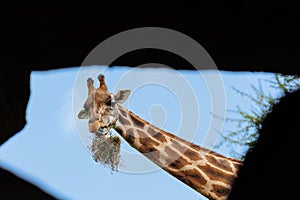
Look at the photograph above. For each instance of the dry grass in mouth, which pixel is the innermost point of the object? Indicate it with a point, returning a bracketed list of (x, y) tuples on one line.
[(106, 150)]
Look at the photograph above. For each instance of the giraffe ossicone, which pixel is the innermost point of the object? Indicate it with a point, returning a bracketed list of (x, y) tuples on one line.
[(207, 172)]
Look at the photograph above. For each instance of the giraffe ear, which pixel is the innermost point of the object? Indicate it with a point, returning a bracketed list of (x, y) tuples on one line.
[(122, 96), (83, 114)]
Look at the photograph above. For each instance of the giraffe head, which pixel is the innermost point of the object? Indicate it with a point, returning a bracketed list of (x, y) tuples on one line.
[(101, 106)]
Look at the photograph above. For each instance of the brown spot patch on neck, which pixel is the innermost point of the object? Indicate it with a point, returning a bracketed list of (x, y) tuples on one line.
[(175, 160), (190, 177), (147, 144), (157, 135), (192, 154), (123, 112), (194, 178), (119, 130), (130, 136), (153, 155), (137, 122), (216, 174), (220, 191), (220, 163), (123, 121)]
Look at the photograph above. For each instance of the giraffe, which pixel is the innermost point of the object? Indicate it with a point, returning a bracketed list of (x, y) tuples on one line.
[(207, 172)]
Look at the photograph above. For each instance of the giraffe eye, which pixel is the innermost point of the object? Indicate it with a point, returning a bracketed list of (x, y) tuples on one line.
[(108, 103)]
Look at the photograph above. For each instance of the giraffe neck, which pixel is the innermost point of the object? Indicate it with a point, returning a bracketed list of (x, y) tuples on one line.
[(207, 172)]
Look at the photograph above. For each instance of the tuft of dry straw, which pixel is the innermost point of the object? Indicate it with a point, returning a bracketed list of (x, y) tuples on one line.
[(106, 150)]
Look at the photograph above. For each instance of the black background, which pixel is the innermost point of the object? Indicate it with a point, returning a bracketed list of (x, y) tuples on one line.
[(239, 36)]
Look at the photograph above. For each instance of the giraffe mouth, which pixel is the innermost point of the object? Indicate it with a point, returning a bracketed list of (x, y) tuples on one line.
[(103, 130)]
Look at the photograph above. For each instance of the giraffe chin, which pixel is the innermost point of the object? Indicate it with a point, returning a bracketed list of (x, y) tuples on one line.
[(102, 131)]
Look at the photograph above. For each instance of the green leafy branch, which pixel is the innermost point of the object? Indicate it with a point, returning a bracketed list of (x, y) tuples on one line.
[(248, 123)]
